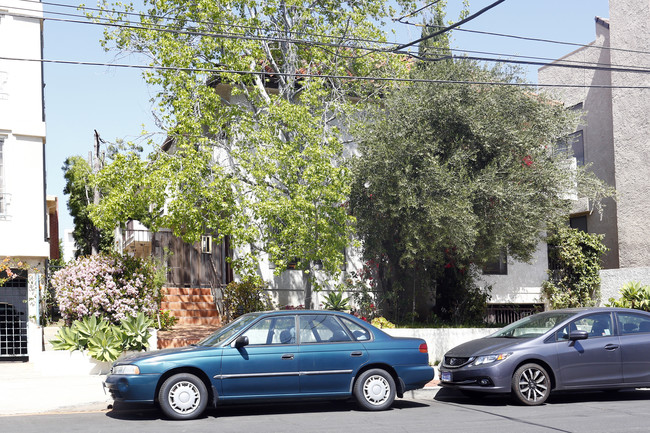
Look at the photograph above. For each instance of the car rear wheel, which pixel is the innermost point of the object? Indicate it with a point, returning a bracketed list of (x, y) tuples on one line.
[(531, 384), (375, 389), (183, 396)]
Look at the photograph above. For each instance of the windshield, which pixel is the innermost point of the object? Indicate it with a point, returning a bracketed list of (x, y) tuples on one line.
[(532, 326), (224, 333)]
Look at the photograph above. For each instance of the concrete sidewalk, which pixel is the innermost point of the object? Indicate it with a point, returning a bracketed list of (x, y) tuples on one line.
[(25, 388)]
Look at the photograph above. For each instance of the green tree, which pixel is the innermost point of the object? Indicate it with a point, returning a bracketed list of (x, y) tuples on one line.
[(255, 98), (574, 280), (78, 176), (451, 175)]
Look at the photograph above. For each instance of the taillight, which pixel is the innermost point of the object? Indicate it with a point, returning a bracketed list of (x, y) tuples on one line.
[(424, 348)]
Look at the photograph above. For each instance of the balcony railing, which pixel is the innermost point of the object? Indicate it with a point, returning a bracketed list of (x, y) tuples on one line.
[(5, 200)]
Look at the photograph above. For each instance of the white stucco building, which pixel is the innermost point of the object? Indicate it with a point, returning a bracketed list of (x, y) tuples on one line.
[(24, 232)]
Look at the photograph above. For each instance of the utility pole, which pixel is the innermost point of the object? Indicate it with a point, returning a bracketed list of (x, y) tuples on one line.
[(96, 165)]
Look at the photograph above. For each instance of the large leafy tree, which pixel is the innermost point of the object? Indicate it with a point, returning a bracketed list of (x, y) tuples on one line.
[(451, 175), (78, 177), (255, 97)]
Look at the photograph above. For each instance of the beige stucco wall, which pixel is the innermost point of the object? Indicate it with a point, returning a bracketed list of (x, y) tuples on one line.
[(596, 124), (630, 28)]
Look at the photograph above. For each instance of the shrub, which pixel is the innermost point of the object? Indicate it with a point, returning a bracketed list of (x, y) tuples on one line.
[(381, 322), (103, 340), (111, 286), (245, 296), (336, 301), (575, 279), (165, 320), (633, 295)]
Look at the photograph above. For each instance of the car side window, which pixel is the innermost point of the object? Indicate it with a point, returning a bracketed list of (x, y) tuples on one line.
[(321, 328), (272, 330), (596, 325), (629, 323), (359, 332)]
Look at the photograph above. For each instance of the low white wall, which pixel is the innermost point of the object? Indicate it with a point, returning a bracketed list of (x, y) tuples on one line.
[(611, 280), (440, 340)]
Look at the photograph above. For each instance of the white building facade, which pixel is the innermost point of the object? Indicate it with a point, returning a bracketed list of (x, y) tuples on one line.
[(23, 208)]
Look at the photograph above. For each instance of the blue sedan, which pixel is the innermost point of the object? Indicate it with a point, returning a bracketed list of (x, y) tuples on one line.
[(572, 349), (278, 355)]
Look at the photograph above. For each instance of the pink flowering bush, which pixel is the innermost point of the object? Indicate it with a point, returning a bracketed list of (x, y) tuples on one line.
[(113, 287)]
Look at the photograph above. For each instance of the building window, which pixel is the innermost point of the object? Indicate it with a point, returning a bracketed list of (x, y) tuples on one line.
[(497, 266), (573, 145), (206, 244), (4, 197), (579, 223)]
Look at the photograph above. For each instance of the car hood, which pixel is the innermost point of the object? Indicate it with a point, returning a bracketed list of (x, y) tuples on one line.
[(484, 346), (164, 353)]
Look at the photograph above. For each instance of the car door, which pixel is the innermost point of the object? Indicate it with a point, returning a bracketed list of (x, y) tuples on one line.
[(593, 361), (267, 366), (330, 355), (634, 330)]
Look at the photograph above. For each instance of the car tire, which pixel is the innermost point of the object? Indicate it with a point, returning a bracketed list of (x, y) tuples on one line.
[(183, 396), (531, 384), (375, 389)]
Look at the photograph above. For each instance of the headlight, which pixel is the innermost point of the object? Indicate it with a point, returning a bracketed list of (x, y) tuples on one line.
[(488, 359), (126, 369)]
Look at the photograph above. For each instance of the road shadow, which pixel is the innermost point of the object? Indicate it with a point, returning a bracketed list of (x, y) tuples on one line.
[(140, 412), (563, 397)]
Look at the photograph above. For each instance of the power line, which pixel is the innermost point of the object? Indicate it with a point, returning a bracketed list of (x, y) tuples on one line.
[(453, 26), (564, 63), (327, 76), (332, 44)]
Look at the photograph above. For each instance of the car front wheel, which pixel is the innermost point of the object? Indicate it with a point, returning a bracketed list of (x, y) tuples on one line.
[(183, 396), (375, 389), (531, 384)]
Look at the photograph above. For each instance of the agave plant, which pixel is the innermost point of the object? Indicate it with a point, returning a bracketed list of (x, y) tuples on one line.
[(135, 332), (66, 339), (105, 345), (336, 301)]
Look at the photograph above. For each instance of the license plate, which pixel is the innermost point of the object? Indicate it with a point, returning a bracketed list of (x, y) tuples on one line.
[(445, 376)]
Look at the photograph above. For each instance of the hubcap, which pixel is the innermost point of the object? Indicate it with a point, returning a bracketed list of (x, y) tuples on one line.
[(376, 390), (533, 384), (184, 397)]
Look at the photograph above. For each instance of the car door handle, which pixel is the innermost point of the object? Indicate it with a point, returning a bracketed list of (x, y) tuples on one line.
[(287, 356), (611, 346), (356, 354)]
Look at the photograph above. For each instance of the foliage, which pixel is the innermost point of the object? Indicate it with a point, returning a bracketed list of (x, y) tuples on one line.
[(8, 268), (246, 296), (256, 121), (381, 322), (104, 341), (575, 279), (110, 286), (135, 332), (165, 320), (78, 177), (450, 175), (633, 295), (336, 301)]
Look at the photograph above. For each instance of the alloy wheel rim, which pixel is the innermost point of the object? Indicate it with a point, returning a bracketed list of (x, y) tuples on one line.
[(184, 397), (533, 384), (376, 390)]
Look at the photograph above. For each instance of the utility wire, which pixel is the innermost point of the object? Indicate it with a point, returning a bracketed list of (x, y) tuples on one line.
[(453, 26), (318, 43), (547, 61), (328, 76)]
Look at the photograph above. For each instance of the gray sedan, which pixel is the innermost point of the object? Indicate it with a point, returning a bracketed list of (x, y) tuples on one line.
[(571, 349)]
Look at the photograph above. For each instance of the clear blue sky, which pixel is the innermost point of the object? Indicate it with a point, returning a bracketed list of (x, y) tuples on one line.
[(116, 102)]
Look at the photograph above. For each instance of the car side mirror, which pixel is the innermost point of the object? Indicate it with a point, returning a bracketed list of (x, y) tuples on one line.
[(578, 335), (241, 341)]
